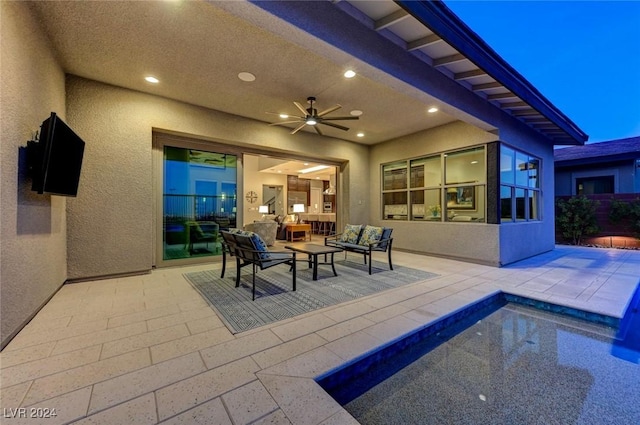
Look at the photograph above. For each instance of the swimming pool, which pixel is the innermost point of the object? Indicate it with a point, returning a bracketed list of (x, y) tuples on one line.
[(504, 360)]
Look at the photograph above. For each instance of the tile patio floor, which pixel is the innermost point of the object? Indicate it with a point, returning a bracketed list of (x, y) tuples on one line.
[(147, 349)]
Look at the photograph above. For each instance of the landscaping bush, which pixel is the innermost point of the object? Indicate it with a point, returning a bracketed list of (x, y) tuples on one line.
[(621, 211), (576, 218)]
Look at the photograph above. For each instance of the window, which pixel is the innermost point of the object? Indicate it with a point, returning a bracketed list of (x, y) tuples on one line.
[(519, 186), (594, 185), (414, 189)]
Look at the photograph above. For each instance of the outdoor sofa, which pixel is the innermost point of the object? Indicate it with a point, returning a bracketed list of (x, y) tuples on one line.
[(363, 239)]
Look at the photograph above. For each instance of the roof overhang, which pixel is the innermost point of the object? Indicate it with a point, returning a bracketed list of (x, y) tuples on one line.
[(531, 107), (432, 33)]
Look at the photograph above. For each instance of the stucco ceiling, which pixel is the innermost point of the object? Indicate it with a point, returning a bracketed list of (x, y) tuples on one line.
[(198, 48)]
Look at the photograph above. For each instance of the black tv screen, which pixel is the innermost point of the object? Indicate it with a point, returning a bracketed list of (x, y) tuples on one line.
[(58, 159)]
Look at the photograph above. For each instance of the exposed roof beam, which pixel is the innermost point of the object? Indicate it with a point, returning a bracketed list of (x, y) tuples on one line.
[(448, 60), (547, 127), (520, 113), (514, 105), (423, 42), (469, 74), (497, 96), (387, 21), (486, 86), (536, 120)]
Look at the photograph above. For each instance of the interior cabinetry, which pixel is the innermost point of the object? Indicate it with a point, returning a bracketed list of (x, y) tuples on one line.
[(295, 184), (395, 203), (328, 200), (417, 176), (395, 179)]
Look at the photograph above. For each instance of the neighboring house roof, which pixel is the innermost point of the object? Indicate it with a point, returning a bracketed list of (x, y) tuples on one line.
[(612, 150)]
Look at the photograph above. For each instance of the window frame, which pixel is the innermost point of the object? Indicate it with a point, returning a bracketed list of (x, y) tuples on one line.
[(528, 207), (415, 183)]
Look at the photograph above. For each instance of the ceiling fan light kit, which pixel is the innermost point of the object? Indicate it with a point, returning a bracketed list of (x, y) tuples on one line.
[(312, 117)]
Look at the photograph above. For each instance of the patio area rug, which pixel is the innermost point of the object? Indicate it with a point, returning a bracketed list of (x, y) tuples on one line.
[(275, 299)]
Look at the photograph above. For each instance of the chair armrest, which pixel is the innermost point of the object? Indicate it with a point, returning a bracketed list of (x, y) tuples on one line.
[(335, 237), (376, 243)]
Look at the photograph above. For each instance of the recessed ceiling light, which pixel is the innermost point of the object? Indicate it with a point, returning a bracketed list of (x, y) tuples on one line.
[(152, 80), (349, 73), (356, 112), (432, 110), (247, 76), (305, 163), (284, 116), (360, 134)]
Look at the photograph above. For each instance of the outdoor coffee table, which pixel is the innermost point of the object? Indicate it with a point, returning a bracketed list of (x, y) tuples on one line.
[(313, 250)]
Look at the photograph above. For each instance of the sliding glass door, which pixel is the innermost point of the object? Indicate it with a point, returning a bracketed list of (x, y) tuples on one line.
[(199, 194)]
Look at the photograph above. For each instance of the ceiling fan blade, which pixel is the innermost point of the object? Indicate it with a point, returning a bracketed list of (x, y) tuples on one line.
[(318, 130), (299, 106), (285, 122), (330, 124), (339, 118), (298, 128), (326, 111)]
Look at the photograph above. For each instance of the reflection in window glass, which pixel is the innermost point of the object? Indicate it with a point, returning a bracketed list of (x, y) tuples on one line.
[(520, 204), (465, 166), (520, 185), (506, 203), (522, 169), (533, 205), (507, 157), (199, 200), (534, 167)]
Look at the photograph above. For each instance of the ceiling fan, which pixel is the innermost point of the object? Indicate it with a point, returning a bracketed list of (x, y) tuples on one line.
[(312, 117)]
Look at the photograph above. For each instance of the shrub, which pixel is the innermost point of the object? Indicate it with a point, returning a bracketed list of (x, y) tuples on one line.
[(620, 211), (576, 218)]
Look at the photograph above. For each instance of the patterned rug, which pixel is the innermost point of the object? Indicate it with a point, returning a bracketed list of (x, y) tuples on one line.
[(276, 301)]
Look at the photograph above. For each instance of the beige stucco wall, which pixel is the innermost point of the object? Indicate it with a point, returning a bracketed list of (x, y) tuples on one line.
[(111, 220), (478, 242), (443, 239), (522, 240), (33, 230)]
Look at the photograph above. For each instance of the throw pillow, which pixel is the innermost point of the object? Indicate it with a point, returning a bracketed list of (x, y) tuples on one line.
[(259, 245), (370, 234), (351, 233)]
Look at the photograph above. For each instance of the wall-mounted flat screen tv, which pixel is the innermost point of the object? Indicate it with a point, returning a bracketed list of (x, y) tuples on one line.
[(56, 160)]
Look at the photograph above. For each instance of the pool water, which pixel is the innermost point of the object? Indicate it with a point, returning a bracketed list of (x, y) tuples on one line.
[(500, 363)]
